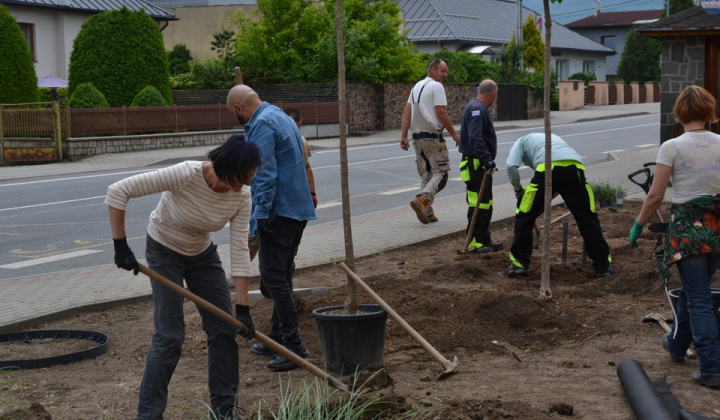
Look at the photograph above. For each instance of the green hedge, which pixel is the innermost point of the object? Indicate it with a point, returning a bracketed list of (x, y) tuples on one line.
[(120, 52), (148, 97), (18, 81), (86, 95)]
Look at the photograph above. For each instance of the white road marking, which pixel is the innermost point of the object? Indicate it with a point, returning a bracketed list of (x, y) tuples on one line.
[(50, 259), (616, 150), (399, 191), (330, 204), (74, 177), (646, 145), (52, 204)]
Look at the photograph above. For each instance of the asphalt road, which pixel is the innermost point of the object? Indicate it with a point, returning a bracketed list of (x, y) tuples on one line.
[(49, 225)]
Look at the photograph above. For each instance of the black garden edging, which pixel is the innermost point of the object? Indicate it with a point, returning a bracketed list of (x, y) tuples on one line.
[(101, 345)]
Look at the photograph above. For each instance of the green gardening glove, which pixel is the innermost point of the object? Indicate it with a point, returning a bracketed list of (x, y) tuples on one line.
[(635, 233)]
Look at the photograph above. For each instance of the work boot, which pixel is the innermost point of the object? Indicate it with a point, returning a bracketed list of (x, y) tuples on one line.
[(607, 272), (666, 346), (513, 270), (493, 247), (419, 203), (281, 363), (432, 218)]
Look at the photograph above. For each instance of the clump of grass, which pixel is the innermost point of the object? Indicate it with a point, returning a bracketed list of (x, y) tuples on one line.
[(317, 402)]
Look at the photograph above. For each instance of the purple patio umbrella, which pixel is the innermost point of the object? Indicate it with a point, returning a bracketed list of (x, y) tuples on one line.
[(53, 83)]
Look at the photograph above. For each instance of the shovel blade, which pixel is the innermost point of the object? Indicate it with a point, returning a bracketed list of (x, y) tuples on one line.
[(450, 368)]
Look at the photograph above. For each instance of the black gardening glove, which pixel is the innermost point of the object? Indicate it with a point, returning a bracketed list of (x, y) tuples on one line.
[(124, 257), (243, 315), (519, 196), (263, 230), (489, 165)]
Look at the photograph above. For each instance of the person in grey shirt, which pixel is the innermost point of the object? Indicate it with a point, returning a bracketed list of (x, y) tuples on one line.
[(568, 180)]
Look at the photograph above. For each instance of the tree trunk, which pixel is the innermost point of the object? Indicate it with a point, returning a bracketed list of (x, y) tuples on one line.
[(351, 302), (545, 291)]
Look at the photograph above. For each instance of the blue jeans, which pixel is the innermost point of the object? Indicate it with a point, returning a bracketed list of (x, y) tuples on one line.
[(696, 317), (277, 266), (204, 277)]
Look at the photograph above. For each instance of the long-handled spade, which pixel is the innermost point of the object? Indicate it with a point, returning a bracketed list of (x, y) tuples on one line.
[(469, 237), (450, 367), (276, 347)]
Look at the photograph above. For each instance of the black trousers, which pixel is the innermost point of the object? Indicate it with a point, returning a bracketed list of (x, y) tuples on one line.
[(277, 266), (570, 183), (472, 173)]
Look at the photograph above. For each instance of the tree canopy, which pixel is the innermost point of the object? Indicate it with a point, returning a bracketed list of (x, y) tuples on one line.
[(120, 52), (534, 46), (677, 6), (640, 59), (18, 81), (294, 41)]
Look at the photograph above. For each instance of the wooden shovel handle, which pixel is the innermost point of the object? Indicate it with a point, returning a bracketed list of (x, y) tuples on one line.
[(274, 345), (395, 316)]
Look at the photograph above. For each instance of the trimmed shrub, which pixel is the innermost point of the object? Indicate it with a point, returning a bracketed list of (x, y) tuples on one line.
[(120, 52), (149, 96), (86, 95), (587, 77), (18, 81), (179, 59), (45, 94)]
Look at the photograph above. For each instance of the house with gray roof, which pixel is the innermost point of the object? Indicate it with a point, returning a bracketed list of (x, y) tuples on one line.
[(467, 25), (50, 26), (611, 30)]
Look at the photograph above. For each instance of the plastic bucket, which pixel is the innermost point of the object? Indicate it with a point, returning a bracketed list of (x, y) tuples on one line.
[(716, 303), (352, 342)]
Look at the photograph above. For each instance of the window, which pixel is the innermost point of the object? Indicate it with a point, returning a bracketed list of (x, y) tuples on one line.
[(588, 66), (28, 31), (561, 69), (608, 41)]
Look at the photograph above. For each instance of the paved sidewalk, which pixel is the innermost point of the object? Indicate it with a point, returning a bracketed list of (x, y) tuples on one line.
[(28, 300)]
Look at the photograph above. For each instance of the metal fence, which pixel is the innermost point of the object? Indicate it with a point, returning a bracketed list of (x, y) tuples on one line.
[(28, 132)]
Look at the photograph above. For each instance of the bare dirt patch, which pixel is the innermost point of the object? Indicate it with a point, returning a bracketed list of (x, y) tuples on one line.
[(519, 356)]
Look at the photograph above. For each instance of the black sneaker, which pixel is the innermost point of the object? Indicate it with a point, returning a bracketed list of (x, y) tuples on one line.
[(665, 345), (513, 270), (280, 363), (262, 350), (607, 272), (713, 381)]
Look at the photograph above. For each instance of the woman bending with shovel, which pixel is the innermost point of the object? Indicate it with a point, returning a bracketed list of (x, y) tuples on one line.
[(198, 198), (692, 163)]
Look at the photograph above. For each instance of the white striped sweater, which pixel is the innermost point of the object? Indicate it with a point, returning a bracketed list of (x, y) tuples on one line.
[(189, 211)]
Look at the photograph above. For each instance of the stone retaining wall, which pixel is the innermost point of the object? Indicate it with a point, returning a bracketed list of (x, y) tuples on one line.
[(83, 147)]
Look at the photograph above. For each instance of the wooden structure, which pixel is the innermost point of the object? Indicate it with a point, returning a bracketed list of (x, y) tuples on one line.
[(690, 54)]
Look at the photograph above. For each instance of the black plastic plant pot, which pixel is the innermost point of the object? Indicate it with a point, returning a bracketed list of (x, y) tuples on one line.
[(716, 303), (352, 342)]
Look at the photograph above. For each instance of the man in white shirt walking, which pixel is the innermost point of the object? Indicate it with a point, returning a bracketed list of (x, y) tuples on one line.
[(425, 115)]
